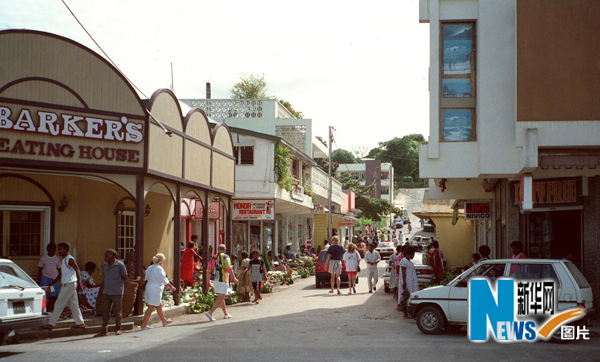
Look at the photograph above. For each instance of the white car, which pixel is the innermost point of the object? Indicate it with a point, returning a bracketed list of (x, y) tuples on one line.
[(22, 301), (446, 306), (422, 267), (385, 249)]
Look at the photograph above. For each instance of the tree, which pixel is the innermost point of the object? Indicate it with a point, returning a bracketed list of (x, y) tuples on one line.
[(372, 208), (250, 87), (343, 156), (403, 154), (360, 151), (289, 107)]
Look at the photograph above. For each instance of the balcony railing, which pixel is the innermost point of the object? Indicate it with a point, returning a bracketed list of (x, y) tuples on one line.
[(320, 186), (240, 108)]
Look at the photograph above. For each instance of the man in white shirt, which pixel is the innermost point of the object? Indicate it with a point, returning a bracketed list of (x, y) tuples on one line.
[(372, 257)]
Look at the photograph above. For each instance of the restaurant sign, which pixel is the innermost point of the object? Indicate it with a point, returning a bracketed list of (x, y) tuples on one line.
[(48, 134), (253, 210), (555, 192)]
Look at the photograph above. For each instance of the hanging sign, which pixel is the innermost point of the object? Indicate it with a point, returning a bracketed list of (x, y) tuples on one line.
[(477, 210)]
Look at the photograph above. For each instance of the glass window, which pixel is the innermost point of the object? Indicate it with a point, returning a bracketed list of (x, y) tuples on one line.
[(244, 155), (581, 281), (458, 125), (12, 275), (125, 233), (25, 235), (457, 93)]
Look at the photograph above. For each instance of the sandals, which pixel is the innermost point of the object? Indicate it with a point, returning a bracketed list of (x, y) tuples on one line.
[(148, 327), (339, 292), (167, 322), (48, 327), (80, 326)]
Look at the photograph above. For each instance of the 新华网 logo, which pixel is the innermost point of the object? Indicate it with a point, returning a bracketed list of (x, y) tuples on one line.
[(510, 310)]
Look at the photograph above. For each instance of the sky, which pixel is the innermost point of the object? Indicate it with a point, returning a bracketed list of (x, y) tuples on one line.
[(361, 67)]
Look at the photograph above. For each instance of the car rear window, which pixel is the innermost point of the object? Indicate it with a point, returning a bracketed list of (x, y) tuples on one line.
[(385, 245), (12, 275), (579, 278), (322, 257)]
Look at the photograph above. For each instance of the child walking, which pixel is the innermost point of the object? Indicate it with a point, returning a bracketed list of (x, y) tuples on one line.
[(409, 283), (258, 274), (49, 269)]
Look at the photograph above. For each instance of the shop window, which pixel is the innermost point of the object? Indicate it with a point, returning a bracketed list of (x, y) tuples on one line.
[(244, 155), (457, 95), (125, 233), (24, 231)]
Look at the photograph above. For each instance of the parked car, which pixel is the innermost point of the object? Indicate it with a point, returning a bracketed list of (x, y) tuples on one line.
[(446, 306), (421, 241), (22, 301), (428, 226), (385, 249), (424, 271), (322, 275), (398, 223)]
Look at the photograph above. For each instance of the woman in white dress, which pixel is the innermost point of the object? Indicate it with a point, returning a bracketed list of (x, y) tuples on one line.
[(155, 282)]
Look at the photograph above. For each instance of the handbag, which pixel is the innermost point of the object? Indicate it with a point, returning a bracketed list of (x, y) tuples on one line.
[(357, 264)]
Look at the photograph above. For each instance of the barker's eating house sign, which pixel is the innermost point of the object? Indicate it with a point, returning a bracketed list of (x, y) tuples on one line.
[(48, 134)]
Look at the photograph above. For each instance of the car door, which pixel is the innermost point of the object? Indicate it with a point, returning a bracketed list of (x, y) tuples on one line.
[(537, 271), (457, 298)]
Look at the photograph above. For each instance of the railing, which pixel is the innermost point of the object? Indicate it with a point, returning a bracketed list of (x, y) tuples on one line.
[(240, 108), (320, 186)]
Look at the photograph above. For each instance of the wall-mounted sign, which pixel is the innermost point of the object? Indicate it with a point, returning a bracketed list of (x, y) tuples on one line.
[(477, 211), (298, 192), (213, 210), (555, 192), (46, 134), (346, 223), (253, 210)]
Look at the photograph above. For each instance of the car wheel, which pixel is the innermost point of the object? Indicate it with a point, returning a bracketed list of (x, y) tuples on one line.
[(430, 320), (3, 337), (317, 283)]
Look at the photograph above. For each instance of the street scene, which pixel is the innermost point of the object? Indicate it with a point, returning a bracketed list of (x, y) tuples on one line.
[(258, 180)]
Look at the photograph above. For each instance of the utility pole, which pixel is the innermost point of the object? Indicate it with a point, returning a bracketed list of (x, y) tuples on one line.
[(329, 225)]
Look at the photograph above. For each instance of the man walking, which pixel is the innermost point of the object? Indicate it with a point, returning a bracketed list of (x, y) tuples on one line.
[(68, 275), (115, 275), (372, 257), (221, 269), (335, 254)]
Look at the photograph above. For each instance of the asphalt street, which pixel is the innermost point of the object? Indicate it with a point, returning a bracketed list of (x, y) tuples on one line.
[(297, 323)]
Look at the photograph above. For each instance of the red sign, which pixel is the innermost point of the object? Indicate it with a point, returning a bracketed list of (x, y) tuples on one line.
[(345, 223), (477, 210), (213, 210)]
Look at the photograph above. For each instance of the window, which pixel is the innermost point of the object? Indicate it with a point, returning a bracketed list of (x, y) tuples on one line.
[(125, 233), (458, 77), (244, 155), (533, 271), (385, 175), (24, 230), (385, 190)]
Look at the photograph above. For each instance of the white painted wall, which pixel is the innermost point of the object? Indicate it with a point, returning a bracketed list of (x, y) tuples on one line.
[(500, 148)]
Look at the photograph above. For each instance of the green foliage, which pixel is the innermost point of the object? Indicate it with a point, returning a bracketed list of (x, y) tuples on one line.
[(374, 208), (448, 277), (250, 87), (304, 273), (343, 156), (289, 107), (323, 164), (403, 154), (282, 167)]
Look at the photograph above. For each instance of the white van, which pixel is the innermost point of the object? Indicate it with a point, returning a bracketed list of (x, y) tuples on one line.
[(446, 306)]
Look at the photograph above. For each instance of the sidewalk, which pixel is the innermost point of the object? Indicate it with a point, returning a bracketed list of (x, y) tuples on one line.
[(94, 325)]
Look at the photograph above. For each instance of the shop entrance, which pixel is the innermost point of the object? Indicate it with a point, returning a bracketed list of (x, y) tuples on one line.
[(555, 235)]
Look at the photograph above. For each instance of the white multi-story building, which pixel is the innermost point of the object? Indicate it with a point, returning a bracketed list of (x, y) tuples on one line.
[(373, 172), (515, 117)]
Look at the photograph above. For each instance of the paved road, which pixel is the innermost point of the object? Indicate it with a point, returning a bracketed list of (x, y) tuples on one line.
[(297, 323)]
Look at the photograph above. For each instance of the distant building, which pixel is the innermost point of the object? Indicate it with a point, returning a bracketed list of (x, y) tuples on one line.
[(372, 172)]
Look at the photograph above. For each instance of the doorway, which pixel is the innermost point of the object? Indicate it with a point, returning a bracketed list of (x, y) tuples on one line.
[(555, 235)]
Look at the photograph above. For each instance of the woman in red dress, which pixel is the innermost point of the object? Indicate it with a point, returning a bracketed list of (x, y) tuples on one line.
[(188, 264)]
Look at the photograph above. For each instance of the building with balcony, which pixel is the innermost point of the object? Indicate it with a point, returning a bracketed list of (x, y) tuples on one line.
[(265, 215), (372, 172), (515, 122), (266, 116)]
